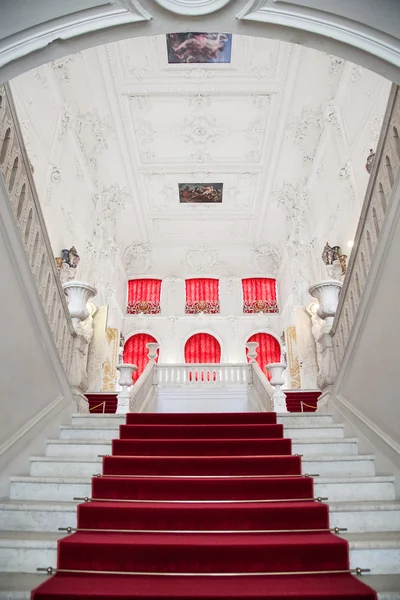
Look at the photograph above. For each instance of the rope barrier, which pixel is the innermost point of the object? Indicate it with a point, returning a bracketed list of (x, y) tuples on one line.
[(97, 405), (308, 405)]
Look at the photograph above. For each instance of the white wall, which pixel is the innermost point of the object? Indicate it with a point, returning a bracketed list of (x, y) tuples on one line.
[(34, 392), (367, 387)]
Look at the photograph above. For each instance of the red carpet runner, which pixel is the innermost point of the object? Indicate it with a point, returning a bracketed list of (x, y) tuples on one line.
[(188, 495)]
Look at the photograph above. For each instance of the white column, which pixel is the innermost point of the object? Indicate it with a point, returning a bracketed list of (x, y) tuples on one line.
[(278, 397), (125, 381), (327, 293)]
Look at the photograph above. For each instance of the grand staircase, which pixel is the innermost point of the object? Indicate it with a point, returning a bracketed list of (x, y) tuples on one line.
[(43, 502)]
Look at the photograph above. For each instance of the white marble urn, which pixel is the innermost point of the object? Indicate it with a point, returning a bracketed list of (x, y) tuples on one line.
[(252, 351), (125, 381), (327, 293), (278, 397), (152, 348), (78, 294)]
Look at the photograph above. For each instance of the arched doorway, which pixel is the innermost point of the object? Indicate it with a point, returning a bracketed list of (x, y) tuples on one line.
[(135, 352), (268, 350), (202, 348)]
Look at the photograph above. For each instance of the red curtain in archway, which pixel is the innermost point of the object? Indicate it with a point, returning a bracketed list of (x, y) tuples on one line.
[(202, 348), (268, 350), (135, 352)]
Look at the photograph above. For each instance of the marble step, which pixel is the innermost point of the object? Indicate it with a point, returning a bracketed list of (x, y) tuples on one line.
[(325, 447), (22, 551), (77, 448), (86, 467), (93, 447), (287, 419), (73, 432), (340, 489), (58, 466), (334, 488), (18, 586), (36, 515), (379, 550), (362, 516), (339, 466), (42, 515)]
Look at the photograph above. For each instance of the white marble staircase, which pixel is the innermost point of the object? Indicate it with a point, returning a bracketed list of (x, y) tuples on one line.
[(42, 501)]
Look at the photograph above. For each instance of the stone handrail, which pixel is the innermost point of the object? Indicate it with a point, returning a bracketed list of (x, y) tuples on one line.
[(202, 374), (262, 387), (17, 173), (385, 170), (141, 392)]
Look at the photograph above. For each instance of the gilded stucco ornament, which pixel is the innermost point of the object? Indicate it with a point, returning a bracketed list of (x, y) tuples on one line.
[(192, 7)]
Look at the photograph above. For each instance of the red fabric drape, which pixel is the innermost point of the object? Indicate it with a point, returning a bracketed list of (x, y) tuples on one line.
[(202, 348), (268, 350), (259, 295), (202, 295), (135, 352), (144, 296)]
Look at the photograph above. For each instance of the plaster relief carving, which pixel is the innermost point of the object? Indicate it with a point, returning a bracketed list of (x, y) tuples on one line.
[(336, 66), (267, 258), (199, 100), (307, 131), (108, 204), (172, 320), (293, 200), (199, 130), (94, 131), (136, 257), (201, 260)]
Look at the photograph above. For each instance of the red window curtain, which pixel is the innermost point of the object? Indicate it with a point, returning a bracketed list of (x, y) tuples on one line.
[(259, 295), (202, 348), (144, 296), (202, 296), (268, 350), (135, 352)]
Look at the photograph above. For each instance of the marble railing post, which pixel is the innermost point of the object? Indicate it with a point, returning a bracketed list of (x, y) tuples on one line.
[(125, 381), (252, 351), (152, 347), (278, 397), (78, 295), (327, 293)]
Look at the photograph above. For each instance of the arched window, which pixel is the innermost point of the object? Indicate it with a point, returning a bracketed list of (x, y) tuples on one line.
[(375, 219), (202, 296), (13, 174), (396, 141), (202, 348), (21, 201), (28, 226), (268, 350), (135, 352), (369, 244), (259, 295), (389, 171), (4, 146), (382, 197), (144, 296)]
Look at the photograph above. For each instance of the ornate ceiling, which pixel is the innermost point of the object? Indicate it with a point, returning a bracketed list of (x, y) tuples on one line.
[(112, 131)]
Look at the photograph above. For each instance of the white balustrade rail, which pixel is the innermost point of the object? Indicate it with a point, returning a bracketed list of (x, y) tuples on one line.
[(385, 170), (261, 389), (141, 394), (16, 171), (202, 374)]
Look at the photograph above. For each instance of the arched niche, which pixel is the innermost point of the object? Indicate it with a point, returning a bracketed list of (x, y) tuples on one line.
[(268, 350), (364, 33), (135, 352), (202, 347)]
